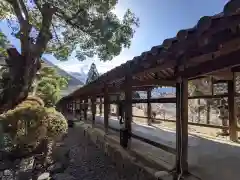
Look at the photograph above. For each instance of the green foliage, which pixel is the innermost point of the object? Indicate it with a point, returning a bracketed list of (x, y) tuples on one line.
[(87, 27), (3, 44), (50, 85), (92, 74), (30, 122)]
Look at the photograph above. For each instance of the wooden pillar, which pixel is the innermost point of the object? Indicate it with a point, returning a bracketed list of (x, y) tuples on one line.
[(232, 109), (182, 126), (149, 107), (74, 108), (77, 107), (93, 108), (68, 107), (128, 104), (106, 108), (85, 109), (199, 110), (117, 105), (80, 107), (100, 106), (208, 112), (178, 118)]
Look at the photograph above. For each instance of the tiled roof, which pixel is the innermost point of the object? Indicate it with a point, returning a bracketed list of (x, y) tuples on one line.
[(209, 35)]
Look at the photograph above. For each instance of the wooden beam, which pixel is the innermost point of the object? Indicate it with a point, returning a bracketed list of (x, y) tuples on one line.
[(152, 100), (178, 126), (100, 106), (236, 69), (106, 108), (173, 99), (128, 104), (85, 108), (118, 106), (72, 104), (212, 65), (182, 126), (222, 75), (149, 107), (232, 109), (155, 100), (93, 108), (219, 81), (153, 82), (209, 96), (81, 109), (75, 107), (122, 87)]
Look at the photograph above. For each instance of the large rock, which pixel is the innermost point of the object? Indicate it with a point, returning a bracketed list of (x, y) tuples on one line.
[(56, 168), (63, 176), (44, 176)]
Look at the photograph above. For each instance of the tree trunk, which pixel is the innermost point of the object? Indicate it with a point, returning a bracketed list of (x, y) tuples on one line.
[(22, 71)]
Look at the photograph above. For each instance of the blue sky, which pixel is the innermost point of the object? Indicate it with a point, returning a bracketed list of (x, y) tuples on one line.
[(159, 19)]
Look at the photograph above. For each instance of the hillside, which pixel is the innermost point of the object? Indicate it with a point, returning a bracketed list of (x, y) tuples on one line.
[(80, 76), (73, 83)]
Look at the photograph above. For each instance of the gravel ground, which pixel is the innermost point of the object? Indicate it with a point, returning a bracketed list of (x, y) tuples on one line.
[(87, 162)]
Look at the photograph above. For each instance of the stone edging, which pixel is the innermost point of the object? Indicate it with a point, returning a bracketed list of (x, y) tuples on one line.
[(122, 158)]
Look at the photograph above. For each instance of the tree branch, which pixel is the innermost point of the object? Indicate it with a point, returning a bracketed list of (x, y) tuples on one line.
[(37, 4), (55, 32), (68, 20), (45, 34), (24, 9), (25, 27), (17, 10), (76, 14)]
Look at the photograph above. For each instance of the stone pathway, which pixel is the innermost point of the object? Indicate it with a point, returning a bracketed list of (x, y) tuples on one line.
[(75, 159), (86, 161)]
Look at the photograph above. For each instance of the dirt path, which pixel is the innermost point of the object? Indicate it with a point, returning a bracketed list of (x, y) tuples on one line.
[(87, 162)]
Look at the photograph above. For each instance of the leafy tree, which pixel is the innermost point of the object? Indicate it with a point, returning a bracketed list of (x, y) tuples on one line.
[(30, 128), (89, 28), (92, 74), (49, 86), (4, 43)]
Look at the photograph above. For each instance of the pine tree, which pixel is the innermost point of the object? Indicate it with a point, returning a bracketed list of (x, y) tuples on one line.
[(92, 74)]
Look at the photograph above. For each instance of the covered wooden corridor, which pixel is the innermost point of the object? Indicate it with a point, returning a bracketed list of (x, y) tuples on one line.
[(211, 48)]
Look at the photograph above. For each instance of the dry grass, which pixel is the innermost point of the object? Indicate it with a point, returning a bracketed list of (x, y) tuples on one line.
[(205, 131)]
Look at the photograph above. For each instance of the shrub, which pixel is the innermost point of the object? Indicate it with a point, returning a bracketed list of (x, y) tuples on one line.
[(30, 122)]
